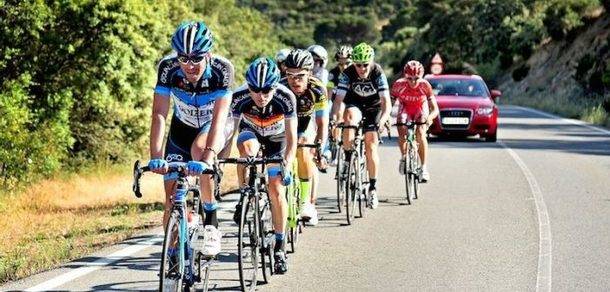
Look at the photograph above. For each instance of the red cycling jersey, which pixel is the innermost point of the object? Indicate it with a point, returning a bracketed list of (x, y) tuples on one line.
[(413, 100)]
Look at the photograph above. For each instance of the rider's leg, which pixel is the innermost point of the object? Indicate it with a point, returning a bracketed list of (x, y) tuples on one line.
[(279, 207), (351, 117), (247, 145), (371, 142), (402, 141), (305, 165), (205, 182), (169, 190), (422, 141)]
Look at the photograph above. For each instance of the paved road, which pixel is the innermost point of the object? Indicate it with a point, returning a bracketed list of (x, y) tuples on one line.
[(529, 213)]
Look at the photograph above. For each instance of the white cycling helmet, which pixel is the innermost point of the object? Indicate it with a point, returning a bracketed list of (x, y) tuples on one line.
[(281, 55), (320, 52)]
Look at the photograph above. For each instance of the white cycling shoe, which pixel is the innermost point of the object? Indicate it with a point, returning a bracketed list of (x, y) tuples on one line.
[(425, 175), (309, 213), (374, 201), (211, 241)]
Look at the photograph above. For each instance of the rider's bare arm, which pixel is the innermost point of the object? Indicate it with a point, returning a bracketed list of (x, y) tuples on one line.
[(219, 119), (160, 109), (291, 140), (386, 106), (339, 96)]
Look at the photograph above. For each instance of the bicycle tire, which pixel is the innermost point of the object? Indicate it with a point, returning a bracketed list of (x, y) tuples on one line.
[(266, 228), (169, 278), (407, 176), (350, 188), (248, 245), (339, 177), (416, 178), (362, 191)]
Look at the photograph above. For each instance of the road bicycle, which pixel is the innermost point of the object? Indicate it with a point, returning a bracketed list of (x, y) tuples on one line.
[(352, 175), (412, 166), (182, 263), (255, 234), (296, 199)]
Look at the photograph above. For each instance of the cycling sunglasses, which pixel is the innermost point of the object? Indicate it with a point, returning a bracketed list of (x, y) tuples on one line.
[(411, 78), (298, 76), (261, 90), (195, 60), (361, 65)]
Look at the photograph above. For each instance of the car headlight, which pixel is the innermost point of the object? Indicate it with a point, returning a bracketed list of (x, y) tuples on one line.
[(485, 111)]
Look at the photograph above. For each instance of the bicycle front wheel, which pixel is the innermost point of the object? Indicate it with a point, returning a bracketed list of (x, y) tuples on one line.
[(248, 245), (407, 175), (351, 188), (339, 177), (362, 188), (171, 270)]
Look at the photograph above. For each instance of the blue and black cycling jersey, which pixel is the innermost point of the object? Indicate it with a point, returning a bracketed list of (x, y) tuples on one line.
[(194, 103), (266, 124), (363, 92)]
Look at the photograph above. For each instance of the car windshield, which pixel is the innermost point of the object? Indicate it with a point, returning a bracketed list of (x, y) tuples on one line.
[(459, 87)]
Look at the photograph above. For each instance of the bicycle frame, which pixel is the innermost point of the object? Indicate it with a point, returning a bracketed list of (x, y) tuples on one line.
[(179, 205)]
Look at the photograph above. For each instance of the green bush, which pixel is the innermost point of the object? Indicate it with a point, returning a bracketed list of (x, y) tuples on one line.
[(78, 75)]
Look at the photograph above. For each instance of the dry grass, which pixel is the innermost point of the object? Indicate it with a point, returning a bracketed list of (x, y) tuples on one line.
[(65, 218)]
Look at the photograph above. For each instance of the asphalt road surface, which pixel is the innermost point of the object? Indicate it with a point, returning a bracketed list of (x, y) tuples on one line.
[(531, 212)]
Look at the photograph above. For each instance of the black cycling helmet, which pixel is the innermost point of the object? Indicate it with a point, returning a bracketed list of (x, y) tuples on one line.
[(300, 59)]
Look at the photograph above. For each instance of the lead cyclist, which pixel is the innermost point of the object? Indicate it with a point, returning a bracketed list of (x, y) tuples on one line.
[(198, 84)]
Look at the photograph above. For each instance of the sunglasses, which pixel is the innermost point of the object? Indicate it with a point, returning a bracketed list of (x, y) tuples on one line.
[(195, 60), (262, 90), (299, 76), (359, 65), (412, 78)]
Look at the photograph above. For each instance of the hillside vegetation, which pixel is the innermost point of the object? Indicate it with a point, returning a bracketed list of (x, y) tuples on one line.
[(77, 76)]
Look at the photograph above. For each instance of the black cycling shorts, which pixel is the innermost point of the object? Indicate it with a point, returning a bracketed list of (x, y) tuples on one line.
[(272, 146), (370, 117)]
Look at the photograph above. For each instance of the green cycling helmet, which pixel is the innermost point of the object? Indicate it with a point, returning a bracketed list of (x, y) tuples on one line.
[(363, 53)]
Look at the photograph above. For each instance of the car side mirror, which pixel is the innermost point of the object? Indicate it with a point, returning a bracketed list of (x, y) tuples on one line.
[(495, 94)]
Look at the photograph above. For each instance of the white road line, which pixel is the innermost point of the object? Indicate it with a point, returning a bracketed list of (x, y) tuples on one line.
[(570, 121), (545, 246), (90, 267)]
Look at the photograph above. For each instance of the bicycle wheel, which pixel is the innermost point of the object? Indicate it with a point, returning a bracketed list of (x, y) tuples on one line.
[(350, 188), (407, 176), (203, 267), (248, 245), (412, 172), (266, 237), (416, 176), (339, 177), (171, 271), (363, 180)]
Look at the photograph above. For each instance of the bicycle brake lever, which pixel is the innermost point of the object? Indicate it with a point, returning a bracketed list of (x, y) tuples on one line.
[(137, 173)]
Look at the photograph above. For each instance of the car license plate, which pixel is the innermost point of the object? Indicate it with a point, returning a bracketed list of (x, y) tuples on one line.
[(455, 121)]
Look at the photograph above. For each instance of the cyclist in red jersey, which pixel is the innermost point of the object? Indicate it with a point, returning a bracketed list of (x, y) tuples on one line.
[(417, 104)]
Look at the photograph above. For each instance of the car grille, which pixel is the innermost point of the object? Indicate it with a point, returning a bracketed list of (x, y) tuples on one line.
[(456, 114)]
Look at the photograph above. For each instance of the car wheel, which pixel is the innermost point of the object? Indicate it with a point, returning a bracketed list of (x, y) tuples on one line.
[(491, 138)]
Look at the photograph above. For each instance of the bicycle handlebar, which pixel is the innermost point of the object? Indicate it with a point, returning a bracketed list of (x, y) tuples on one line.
[(179, 167), (250, 160), (409, 124)]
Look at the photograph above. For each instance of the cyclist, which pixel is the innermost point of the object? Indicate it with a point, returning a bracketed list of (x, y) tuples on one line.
[(417, 104), (320, 58), (363, 87), (311, 101), (264, 111), (343, 56), (198, 83), (279, 60)]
